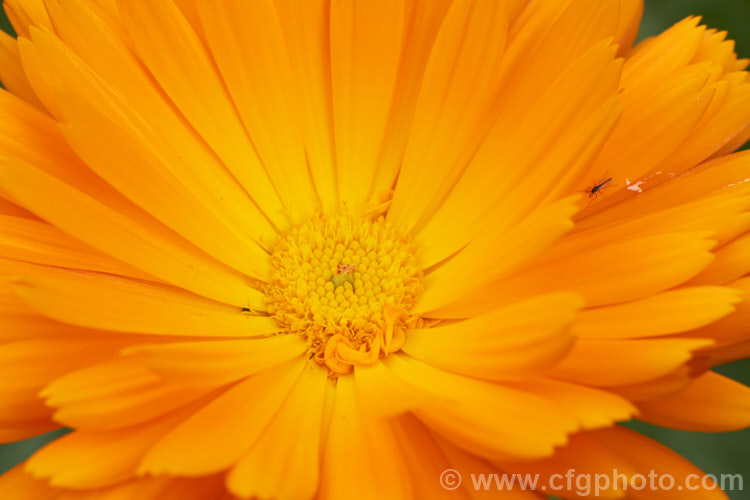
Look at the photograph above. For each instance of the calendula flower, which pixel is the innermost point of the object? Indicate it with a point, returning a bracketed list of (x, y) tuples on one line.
[(332, 248)]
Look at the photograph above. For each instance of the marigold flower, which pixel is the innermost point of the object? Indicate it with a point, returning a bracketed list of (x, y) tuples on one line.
[(331, 248)]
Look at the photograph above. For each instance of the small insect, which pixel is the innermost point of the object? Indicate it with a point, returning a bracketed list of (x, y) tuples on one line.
[(343, 274), (594, 190)]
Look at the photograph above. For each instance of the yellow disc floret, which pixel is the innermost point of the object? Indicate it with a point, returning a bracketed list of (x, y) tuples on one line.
[(346, 285)]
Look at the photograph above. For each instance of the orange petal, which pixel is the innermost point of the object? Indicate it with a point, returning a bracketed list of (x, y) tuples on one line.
[(11, 71), (639, 266), (494, 421), (87, 459), (114, 394), (44, 175), (291, 441), (228, 425), (17, 483), (214, 363), (656, 119), (12, 433), (37, 242), (665, 313), (508, 177), (593, 408), (141, 155), (27, 366), (587, 458), (361, 453), (423, 458), (627, 361), (731, 263), (422, 24), (644, 455), (260, 84), (661, 387), (659, 56), (734, 327), (108, 50), (110, 303), (711, 403), (452, 110), (496, 253), (727, 175), (631, 12), (466, 463), (18, 321), (306, 33), (508, 343), (26, 13), (366, 44)]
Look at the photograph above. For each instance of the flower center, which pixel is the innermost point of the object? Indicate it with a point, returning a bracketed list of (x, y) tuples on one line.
[(346, 284)]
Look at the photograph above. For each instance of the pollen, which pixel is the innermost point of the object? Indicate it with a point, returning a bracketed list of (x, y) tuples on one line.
[(346, 285)]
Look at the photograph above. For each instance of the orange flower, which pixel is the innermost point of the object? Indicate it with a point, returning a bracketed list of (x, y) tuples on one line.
[(332, 248)]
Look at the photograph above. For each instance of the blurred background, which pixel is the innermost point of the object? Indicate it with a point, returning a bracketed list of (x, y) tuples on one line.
[(727, 453)]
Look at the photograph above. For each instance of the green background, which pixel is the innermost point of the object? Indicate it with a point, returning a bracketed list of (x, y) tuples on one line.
[(727, 453)]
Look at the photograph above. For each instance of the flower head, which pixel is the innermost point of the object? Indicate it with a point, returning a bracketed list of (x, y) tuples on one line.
[(329, 249), (345, 285)]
